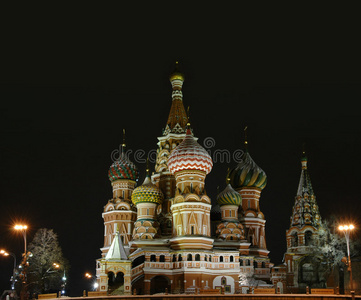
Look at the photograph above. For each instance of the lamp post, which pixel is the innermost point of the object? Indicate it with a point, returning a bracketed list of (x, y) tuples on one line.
[(346, 229), (5, 253), (22, 229)]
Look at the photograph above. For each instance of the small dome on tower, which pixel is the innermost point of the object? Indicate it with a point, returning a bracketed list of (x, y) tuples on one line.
[(147, 192), (229, 197), (189, 155), (123, 168), (176, 74), (247, 174)]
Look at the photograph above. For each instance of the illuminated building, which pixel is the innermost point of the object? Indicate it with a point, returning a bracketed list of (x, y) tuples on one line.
[(162, 228)]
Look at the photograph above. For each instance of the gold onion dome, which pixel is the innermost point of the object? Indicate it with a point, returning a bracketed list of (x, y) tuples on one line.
[(123, 168), (229, 197), (247, 174), (176, 74), (147, 192)]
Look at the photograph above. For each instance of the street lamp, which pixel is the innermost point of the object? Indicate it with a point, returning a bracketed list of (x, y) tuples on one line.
[(5, 253), (95, 284), (346, 229), (22, 229)]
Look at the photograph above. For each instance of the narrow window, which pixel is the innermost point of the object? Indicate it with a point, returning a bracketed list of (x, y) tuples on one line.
[(189, 257), (192, 230), (231, 259), (198, 257), (221, 258)]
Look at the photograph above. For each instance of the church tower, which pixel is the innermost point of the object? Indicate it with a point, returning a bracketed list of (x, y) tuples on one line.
[(303, 232), (173, 135), (147, 198), (119, 213), (248, 179), (190, 163)]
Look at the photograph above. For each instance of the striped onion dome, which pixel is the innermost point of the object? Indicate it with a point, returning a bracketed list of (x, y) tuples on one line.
[(229, 197), (247, 174), (147, 192), (189, 155), (123, 168)]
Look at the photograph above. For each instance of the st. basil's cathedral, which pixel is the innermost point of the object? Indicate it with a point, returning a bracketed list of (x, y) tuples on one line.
[(165, 235)]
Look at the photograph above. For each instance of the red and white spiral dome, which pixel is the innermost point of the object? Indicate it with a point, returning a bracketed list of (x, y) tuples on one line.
[(189, 155)]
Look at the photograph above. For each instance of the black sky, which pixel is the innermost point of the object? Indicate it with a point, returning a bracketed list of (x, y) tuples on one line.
[(72, 80)]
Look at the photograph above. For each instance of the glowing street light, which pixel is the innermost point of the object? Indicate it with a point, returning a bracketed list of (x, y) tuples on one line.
[(5, 253), (95, 284), (23, 229), (346, 229)]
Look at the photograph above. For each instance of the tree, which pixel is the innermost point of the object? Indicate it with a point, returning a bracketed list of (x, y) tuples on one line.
[(330, 247), (47, 264)]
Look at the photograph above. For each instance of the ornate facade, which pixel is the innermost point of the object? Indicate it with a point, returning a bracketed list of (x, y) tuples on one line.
[(162, 228)]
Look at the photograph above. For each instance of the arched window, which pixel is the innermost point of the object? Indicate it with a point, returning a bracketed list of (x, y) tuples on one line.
[(240, 262), (231, 258), (210, 258), (180, 257), (189, 257), (153, 258), (248, 262), (205, 257), (162, 258), (255, 264), (198, 257), (294, 239), (174, 257), (263, 264), (308, 238), (192, 230), (221, 258)]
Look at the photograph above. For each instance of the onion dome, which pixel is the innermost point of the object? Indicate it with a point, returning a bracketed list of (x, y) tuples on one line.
[(229, 197), (147, 192), (189, 155), (247, 174), (123, 168)]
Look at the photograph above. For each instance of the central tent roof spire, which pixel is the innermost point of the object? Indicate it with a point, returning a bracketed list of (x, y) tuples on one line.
[(177, 119)]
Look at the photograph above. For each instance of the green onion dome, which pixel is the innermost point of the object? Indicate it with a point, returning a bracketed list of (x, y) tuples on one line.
[(247, 174), (147, 192), (229, 197), (123, 168)]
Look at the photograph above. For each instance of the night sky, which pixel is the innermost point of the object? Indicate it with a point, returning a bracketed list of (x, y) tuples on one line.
[(71, 81)]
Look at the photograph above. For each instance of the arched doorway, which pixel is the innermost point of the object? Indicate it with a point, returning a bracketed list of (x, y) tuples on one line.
[(116, 283), (158, 284)]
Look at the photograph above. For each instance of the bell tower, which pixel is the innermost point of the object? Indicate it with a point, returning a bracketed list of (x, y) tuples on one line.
[(173, 135)]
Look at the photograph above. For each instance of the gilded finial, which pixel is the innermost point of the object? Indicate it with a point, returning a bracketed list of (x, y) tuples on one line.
[(228, 178), (123, 145), (147, 169), (245, 137), (176, 74), (188, 118)]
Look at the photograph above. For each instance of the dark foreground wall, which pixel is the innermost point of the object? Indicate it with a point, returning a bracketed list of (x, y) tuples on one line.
[(223, 297)]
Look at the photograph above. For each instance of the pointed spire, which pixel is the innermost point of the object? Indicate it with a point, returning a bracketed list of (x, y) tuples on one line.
[(177, 115), (116, 250)]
